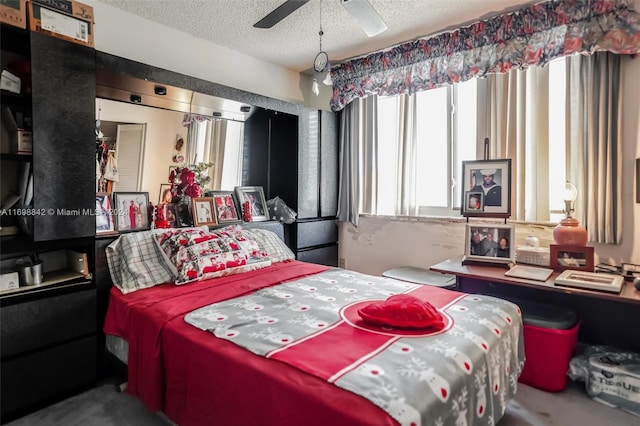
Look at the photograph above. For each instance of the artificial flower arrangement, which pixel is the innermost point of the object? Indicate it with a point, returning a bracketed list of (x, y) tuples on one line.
[(189, 180)]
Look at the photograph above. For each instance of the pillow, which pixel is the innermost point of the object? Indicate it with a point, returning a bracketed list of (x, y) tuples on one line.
[(135, 261), (403, 311), (246, 240), (196, 254), (270, 243)]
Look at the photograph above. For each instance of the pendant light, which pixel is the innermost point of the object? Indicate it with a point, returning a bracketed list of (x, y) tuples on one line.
[(321, 65)]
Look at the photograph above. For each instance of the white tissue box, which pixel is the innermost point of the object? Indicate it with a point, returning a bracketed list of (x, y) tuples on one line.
[(9, 281)]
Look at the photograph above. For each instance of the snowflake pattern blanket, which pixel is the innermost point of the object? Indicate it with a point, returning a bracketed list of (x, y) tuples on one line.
[(462, 375)]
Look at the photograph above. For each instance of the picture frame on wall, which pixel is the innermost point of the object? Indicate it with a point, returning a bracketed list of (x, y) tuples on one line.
[(203, 211), (104, 214), (486, 188), (133, 208), (225, 207), (489, 243), (255, 196), (579, 258)]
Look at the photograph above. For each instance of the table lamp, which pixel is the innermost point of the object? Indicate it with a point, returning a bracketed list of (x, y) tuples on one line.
[(569, 232)]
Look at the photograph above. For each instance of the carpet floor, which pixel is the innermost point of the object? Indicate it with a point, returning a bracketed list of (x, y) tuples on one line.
[(105, 406)]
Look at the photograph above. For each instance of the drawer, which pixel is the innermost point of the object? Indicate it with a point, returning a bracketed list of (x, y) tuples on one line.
[(321, 255), (39, 323), (43, 375), (316, 233)]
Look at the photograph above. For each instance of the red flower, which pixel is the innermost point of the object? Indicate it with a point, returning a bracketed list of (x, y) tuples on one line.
[(189, 181)]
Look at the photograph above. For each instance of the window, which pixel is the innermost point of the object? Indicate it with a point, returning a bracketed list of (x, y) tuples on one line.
[(424, 138), (445, 127)]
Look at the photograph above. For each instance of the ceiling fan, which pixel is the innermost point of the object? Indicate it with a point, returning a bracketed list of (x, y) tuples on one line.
[(360, 10)]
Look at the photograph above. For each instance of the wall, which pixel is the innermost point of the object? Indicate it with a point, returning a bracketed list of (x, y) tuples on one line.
[(129, 36), (382, 243), (163, 128)]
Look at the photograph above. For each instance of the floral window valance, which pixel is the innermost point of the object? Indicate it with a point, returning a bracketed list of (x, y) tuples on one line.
[(531, 36)]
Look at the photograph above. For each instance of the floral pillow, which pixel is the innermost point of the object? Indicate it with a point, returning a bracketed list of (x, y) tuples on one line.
[(246, 240), (196, 254)]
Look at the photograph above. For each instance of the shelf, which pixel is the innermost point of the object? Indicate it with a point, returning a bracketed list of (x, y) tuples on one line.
[(19, 38), (21, 243), (16, 157), (49, 280), (12, 97)]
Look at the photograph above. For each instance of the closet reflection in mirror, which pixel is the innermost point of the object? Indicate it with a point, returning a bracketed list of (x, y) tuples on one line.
[(144, 141)]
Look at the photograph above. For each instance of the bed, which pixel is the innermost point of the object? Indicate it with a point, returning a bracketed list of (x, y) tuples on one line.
[(286, 343)]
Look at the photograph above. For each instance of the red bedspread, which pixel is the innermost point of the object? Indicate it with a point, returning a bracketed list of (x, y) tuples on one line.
[(198, 379)]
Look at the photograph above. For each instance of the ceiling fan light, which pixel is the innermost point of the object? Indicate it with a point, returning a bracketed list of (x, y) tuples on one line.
[(327, 75), (366, 15)]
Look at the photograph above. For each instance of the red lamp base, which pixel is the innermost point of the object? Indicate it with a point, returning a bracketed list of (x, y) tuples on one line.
[(570, 233)]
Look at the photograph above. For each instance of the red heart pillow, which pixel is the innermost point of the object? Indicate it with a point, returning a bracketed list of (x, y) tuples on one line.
[(404, 311)]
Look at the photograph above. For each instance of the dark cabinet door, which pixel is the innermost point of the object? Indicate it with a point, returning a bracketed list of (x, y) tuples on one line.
[(63, 98), (318, 165), (329, 154), (270, 154), (256, 149), (283, 157)]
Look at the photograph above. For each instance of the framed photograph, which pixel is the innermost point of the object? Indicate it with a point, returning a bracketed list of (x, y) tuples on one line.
[(165, 196), (172, 216), (490, 243), (225, 207), (486, 188), (167, 216), (134, 211), (579, 258), (474, 201), (590, 280), (255, 196), (630, 271), (203, 211), (104, 214)]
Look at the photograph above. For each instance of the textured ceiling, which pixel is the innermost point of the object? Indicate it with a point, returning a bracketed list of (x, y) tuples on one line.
[(294, 42)]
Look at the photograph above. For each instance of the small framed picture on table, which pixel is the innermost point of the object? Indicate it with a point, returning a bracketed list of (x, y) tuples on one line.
[(489, 243), (165, 196), (104, 214), (486, 188), (226, 207), (172, 216), (203, 211), (133, 211), (563, 257), (254, 196)]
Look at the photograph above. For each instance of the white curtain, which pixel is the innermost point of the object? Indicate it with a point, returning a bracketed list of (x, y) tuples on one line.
[(595, 94), (407, 157), (518, 126), (213, 148), (518, 122), (218, 142), (358, 159)]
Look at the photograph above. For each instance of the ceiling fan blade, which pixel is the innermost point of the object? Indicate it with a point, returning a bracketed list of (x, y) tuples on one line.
[(371, 23), (279, 13)]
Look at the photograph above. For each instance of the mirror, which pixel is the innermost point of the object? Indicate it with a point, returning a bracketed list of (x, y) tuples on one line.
[(151, 128)]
